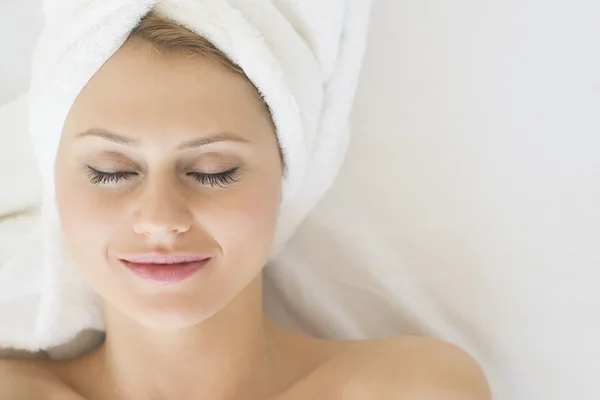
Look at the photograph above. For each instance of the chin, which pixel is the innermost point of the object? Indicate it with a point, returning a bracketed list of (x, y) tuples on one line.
[(171, 319), (168, 321), (168, 312)]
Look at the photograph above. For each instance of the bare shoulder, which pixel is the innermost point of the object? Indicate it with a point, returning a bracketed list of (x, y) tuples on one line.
[(409, 368), (32, 380)]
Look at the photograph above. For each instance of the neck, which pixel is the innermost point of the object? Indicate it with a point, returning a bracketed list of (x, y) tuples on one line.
[(227, 355)]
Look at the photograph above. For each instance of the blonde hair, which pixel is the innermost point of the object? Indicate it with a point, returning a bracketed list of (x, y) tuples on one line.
[(167, 36)]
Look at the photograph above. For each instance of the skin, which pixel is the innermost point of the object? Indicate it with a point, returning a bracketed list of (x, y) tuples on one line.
[(205, 337)]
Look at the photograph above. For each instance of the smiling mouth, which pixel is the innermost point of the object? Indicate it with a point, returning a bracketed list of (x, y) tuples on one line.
[(165, 268)]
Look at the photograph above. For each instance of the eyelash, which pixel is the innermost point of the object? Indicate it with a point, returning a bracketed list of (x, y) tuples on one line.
[(102, 178), (220, 179)]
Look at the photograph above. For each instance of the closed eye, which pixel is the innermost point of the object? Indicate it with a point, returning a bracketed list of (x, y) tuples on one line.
[(220, 179), (97, 177)]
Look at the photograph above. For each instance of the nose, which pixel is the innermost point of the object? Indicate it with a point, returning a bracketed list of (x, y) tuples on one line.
[(161, 211)]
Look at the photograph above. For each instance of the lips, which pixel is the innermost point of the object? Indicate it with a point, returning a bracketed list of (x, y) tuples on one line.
[(165, 268)]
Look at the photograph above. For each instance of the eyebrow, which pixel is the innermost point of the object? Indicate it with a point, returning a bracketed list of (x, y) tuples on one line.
[(124, 140)]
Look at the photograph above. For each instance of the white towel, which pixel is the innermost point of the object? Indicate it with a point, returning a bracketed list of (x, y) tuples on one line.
[(20, 185), (19, 178), (303, 55)]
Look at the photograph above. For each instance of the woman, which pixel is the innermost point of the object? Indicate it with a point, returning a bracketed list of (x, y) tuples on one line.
[(168, 184)]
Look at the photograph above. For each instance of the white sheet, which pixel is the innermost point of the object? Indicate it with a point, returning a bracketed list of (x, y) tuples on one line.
[(472, 185)]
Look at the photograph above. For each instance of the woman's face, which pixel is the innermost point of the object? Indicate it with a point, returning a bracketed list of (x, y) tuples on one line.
[(168, 155)]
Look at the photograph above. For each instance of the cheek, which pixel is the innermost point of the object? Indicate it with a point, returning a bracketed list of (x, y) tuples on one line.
[(88, 219), (244, 222)]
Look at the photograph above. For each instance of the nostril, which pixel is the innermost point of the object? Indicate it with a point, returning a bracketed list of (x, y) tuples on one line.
[(162, 227), (161, 215)]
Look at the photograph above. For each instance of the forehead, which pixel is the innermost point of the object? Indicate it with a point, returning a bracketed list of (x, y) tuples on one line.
[(139, 86)]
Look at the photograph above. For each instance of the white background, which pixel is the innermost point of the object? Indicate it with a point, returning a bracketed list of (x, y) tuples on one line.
[(468, 207)]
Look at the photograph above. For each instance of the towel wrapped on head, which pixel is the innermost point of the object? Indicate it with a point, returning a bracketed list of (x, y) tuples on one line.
[(303, 56)]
